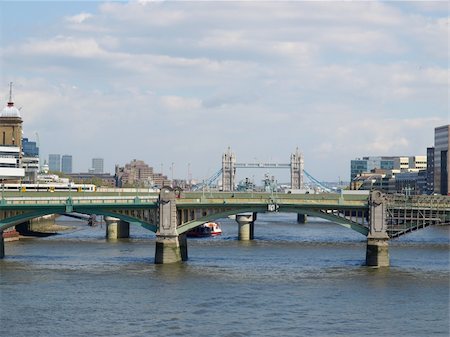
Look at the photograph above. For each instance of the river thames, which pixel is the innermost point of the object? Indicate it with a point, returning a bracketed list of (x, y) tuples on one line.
[(292, 280)]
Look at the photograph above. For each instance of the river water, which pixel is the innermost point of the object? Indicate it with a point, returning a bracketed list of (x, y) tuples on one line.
[(292, 280)]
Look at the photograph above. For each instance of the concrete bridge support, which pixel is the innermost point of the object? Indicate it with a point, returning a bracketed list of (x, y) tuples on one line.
[(170, 247), (246, 223), (2, 245), (377, 252), (302, 218), (116, 228)]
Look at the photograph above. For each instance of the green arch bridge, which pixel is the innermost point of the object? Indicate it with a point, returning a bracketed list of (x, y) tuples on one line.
[(172, 213)]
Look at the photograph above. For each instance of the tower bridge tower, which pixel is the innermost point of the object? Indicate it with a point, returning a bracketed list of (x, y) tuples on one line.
[(297, 166), (228, 171)]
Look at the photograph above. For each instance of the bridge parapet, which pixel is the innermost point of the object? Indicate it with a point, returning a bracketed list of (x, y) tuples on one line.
[(78, 200)]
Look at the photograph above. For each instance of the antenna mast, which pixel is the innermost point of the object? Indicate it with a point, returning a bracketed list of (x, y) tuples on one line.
[(10, 92)]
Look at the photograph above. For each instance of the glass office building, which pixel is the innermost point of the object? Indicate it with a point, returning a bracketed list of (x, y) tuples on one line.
[(54, 162), (441, 159), (66, 163)]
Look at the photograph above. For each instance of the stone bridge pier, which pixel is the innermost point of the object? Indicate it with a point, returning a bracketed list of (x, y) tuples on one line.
[(246, 223), (116, 228), (170, 247), (377, 252)]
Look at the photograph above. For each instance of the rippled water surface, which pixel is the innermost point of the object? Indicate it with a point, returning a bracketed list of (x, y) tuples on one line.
[(292, 280)]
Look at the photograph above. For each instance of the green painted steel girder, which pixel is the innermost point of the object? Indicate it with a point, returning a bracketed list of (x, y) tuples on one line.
[(32, 211), (187, 226)]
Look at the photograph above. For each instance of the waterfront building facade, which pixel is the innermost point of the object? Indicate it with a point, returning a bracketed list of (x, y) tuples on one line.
[(66, 163), (410, 183), (11, 170), (54, 162), (412, 163), (399, 163), (441, 160), (11, 143), (367, 164)]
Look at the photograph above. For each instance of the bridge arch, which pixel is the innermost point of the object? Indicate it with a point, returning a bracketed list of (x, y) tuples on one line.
[(27, 216), (187, 226)]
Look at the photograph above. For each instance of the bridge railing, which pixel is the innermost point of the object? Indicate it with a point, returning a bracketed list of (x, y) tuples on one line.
[(77, 200), (419, 201)]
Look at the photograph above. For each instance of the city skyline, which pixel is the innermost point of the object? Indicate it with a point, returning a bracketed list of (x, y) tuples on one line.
[(180, 82)]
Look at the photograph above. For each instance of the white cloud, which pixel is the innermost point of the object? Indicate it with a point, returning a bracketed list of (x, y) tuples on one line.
[(180, 103), (337, 79), (79, 18), (60, 46)]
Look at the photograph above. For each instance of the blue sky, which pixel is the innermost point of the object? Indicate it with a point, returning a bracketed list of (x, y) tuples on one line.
[(179, 82)]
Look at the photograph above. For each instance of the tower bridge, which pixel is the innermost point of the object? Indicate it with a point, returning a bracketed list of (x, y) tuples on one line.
[(172, 213), (229, 166)]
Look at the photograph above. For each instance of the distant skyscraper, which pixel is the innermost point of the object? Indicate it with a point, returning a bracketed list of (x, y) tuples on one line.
[(97, 165), (441, 160), (29, 148), (54, 162), (66, 163)]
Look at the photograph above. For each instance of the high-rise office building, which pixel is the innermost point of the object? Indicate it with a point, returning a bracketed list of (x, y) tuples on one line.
[(430, 170), (66, 163), (441, 159), (97, 165), (54, 162), (30, 160), (29, 148)]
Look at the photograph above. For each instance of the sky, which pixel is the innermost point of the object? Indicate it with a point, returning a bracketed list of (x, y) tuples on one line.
[(175, 83)]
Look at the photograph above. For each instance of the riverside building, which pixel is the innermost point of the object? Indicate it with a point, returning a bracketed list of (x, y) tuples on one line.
[(400, 163), (11, 143)]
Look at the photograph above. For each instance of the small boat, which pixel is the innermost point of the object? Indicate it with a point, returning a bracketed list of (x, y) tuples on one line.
[(205, 230), (215, 228)]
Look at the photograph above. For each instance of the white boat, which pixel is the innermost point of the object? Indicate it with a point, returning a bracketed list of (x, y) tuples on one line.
[(205, 230), (215, 228)]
